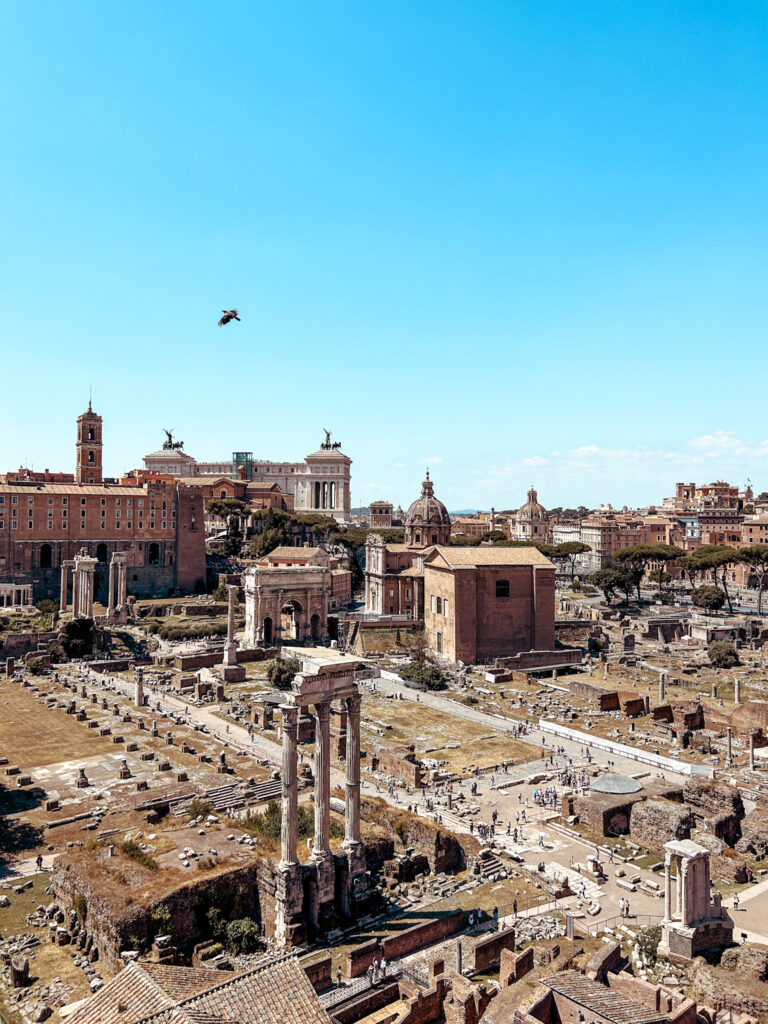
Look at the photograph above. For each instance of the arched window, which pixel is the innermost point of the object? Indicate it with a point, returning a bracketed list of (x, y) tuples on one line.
[(439, 608), (46, 556), (502, 588), (154, 554), (91, 434), (91, 457)]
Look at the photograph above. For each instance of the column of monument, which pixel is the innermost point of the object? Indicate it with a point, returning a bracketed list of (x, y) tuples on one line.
[(63, 587), (111, 595), (230, 649), (122, 584), (322, 779), (290, 792), (75, 591), (352, 808)]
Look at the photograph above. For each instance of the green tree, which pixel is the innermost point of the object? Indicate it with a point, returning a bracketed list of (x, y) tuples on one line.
[(46, 606), (78, 637), (755, 557), (639, 556), (716, 558), (282, 671), (709, 598), (723, 654), (243, 936), (568, 553)]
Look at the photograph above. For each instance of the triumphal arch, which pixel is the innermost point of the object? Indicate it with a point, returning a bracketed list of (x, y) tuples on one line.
[(310, 896), (289, 603)]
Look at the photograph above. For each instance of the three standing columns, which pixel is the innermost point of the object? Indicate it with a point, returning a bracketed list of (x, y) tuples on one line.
[(288, 834)]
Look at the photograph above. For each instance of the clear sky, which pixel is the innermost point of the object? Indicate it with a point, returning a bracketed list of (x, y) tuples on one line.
[(519, 241)]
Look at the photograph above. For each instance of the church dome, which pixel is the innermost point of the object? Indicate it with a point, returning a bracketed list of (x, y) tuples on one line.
[(427, 521), (532, 511), (427, 508)]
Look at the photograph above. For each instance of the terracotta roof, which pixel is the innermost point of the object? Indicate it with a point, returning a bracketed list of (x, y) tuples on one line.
[(80, 489), (149, 993), (461, 557), (286, 551), (602, 1000)]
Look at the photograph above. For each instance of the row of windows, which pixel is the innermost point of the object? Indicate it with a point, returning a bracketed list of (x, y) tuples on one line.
[(64, 524), (84, 501), (438, 605)]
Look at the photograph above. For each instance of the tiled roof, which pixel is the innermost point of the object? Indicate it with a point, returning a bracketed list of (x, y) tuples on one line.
[(116, 490), (286, 551), (278, 992), (602, 1000), (131, 995), (460, 557)]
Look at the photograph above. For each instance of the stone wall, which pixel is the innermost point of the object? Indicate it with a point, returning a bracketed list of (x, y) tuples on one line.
[(717, 808), (655, 822), (754, 833), (399, 761), (398, 944)]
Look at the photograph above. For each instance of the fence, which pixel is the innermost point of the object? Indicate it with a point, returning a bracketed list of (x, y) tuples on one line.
[(638, 921)]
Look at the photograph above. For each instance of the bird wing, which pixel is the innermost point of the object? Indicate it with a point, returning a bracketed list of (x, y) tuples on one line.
[(224, 320)]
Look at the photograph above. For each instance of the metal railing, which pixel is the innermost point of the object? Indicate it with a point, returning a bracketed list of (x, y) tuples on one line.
[(637, 921)]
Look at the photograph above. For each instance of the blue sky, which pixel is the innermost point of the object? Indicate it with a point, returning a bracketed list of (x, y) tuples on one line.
[(521, 242)]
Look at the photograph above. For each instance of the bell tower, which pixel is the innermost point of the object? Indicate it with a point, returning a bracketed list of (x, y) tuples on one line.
[(89, 468)]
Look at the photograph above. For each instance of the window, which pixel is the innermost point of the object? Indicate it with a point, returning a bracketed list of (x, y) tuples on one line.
[(64, 512), (502, 588), (82, 513), (407, 594), (445, 607), (431, 602), (15, 499), (30, 499), (141, 502), (91, 457), (82, 501), (64, 501), (82, 524), (50, 501), (164, 524), (117, 513), (30, 525), (50, 525), (439, 606), (50, 513), (129, 501), (103, 525), (129, 525), (14, 524), (439, 642)]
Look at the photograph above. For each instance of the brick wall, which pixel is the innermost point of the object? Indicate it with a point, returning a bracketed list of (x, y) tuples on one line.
[(319, 973), (488, 951)]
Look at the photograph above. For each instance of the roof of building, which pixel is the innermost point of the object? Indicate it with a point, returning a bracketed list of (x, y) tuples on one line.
[(287, 551), (601, 1000), (610, 782), (459, 557), (279, 992), (427, 508), (71, 488)]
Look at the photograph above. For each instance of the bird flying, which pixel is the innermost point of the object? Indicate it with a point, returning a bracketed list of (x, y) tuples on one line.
[(229, 314)]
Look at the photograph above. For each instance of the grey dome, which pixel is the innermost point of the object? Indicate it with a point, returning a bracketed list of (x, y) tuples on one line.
[(611, 783)]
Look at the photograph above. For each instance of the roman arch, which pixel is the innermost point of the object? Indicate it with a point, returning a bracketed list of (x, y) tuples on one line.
[(286, 604)]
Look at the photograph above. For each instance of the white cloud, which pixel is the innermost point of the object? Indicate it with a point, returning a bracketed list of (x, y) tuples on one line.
[(722, 442), (536, 460), (399, 465)]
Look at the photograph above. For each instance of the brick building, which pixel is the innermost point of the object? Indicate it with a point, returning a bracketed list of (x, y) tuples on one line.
[(488, 602), (46, 519), (381, 514)]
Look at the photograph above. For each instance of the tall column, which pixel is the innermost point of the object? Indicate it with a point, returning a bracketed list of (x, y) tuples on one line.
[(752, 751), (111, 597), (230, 650), (75, 592), (737, 692), (352, 809), (684, 893), (322, 778), (122, 584), (667, 888), (290, 790), (88, 593), (63, 587), (662, 683), (730, 744)]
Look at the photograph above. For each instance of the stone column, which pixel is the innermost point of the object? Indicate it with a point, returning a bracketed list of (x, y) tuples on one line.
[(737, 692), (399, 597), (230, 650), (684, 892), (111, 598), (667, 888), (352, 810), (75, 592), (290, 789), (122, 584), (752, 751), (662, 684), (322, 779), (730, 743), (87, 593), (63, 587)]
